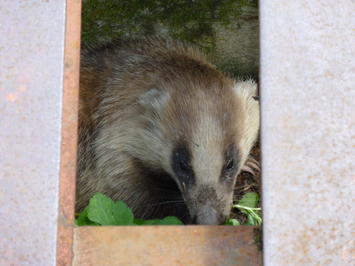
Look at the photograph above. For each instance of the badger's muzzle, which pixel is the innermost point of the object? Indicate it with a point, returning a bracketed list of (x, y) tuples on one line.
[(208, 215)]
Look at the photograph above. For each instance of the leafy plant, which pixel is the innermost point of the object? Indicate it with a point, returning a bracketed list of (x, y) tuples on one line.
[(104, 211), (249, 206), (232, 221)]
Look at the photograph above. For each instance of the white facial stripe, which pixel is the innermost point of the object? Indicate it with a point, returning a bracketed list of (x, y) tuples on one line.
[(206, 149)]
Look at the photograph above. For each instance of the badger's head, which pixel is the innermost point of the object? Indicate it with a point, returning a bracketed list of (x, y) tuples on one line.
[(201, 133)]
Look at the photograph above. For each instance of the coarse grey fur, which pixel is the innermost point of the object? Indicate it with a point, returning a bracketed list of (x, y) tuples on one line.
[(142, 103)]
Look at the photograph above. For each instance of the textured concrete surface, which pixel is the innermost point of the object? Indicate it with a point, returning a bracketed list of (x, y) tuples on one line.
[(308, 131), (307, 66), (31, 79)]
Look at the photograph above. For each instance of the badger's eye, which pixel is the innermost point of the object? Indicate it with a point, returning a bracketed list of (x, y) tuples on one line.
[(184, 166), (181, 163), (229, 166)]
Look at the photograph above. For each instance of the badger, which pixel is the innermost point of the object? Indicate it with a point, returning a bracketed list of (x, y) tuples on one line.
[(162, 129)]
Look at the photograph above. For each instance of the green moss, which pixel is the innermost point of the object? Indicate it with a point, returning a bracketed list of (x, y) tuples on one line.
[(186, 20)]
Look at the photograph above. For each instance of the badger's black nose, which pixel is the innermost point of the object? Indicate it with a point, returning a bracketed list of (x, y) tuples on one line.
[(208, 215)]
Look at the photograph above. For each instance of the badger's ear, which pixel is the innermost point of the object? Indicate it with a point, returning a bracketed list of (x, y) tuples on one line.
[(154, 99), (247, 89)]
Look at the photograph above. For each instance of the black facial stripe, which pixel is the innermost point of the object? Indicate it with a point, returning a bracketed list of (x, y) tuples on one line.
[(181, 164), (231, 163)]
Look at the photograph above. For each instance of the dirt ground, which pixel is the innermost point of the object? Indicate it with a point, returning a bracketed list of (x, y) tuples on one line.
[(247, 182)]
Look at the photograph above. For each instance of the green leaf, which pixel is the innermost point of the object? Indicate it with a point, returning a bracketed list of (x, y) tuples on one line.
[(169, 220), (122, 214), (138, 221), (248, 205), (233, 222), (100, 210), (250, 200), (83, 219), (104, 211), (251, 220), (151, 222)]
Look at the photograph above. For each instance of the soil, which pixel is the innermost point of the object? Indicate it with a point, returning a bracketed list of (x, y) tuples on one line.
[(247, 182)]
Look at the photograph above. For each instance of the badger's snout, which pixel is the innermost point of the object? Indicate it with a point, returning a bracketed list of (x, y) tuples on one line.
[(206, 207), (208, 215)]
